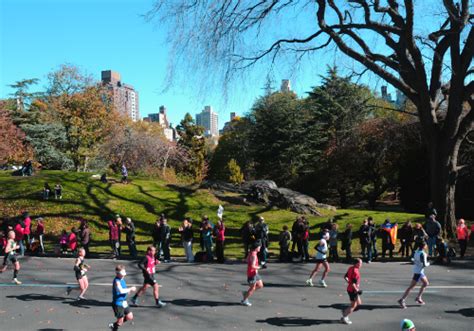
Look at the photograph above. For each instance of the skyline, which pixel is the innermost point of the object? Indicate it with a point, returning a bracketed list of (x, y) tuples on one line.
[(113, 35)]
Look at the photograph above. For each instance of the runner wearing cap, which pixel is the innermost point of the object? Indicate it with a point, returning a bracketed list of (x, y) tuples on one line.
[(419, 263), (321, 259)]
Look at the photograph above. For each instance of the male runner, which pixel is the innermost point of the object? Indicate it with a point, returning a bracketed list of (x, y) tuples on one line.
[(148, 267), (419, 263), (80, 268), (352, 278), (10, 255), (253, 278), (119, 302), (321, 259)]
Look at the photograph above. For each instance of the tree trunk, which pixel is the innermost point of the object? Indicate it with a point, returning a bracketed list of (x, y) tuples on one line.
[(443, 177)]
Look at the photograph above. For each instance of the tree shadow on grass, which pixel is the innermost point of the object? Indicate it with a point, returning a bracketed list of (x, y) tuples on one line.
[(467, 312), (202, 303), (87, 303), (296, 321)]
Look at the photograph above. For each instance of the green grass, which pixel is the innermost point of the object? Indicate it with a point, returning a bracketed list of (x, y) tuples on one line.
[(143, 200)]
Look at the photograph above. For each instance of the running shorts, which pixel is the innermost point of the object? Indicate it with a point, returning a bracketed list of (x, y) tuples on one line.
[(10, 257), (418, 277), (78, 275), (149, 279), (353, 296), (254, 279), (120, 311), (321, 260)]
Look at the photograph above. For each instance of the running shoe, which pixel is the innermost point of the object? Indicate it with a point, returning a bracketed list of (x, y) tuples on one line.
[(16, 281), (160, 304), (309, 282), (402, 303), (81, 298), (346, 320), (111, 326), (68, 290), (245, 303), (420, 301), (322, 283)]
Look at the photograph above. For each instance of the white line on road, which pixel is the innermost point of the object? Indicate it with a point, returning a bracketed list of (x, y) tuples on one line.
[(62, 285)]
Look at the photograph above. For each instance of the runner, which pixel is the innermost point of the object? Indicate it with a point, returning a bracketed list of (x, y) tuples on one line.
[(321, 259), (10, 255), (419, 264), (407, 325), (148, 267), (119, 302), (253, 278), (352, 278), (80, 269)]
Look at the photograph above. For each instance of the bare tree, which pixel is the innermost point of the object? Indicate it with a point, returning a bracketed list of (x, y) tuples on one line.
[(433, 69)]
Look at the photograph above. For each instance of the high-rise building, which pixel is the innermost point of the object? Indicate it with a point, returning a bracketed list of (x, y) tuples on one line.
[(124, 96), (385, 95), (285, 85), (162, 119), (209, 120)]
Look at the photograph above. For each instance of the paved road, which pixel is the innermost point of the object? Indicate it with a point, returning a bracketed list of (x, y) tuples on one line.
[(202, 297)]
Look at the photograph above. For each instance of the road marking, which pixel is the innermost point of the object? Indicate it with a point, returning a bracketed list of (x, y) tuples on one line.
[(393, 292)]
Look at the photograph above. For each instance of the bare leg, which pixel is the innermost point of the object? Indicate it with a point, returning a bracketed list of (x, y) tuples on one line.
[(326, 270), (424, 284), (408, 290), (315, 270), (156, 291)]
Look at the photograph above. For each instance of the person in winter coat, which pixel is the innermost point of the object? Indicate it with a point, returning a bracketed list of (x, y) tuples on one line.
[(405, 234), (462, 234), (347, 242)]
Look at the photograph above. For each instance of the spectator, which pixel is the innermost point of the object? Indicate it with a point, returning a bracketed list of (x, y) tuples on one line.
[(40, 234), (472, 232), (63, 242), (156, 236), (462, 234), (387, 243), (46, 191), (365, 237), (433, 229), (430, 210), (333, 255), (373, 237), (58, 191), (72, 241), (294, 235), (19, 236), (347, 242), (406, 239), (204, 220), (85, 237), (206, 232), (165, 239), (248, 236), (114, 237), (219, 231), (103, 178), (284, 242), (124, 172), (442, 250), (27, 229), (130, 237), (187, 239), (419, 236), (261, 233), (305, 240)]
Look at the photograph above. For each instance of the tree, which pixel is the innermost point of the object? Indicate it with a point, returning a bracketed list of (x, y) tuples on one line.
[(222, 32), (13, 147), (235, 175), (21, 94), (191, 139)]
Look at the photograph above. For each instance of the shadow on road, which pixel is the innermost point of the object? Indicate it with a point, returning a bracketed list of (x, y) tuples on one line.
[(87, 303), (296, 321), (201, 303), (468, 312), (282, 285), (341, 306)]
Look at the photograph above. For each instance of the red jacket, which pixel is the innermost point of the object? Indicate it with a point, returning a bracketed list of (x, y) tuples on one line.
[(72, 241), (113, 231), (19, 232), (27, 228)]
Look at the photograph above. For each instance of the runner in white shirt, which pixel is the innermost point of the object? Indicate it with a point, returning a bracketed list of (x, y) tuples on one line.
[(420, 263), (321, 259)]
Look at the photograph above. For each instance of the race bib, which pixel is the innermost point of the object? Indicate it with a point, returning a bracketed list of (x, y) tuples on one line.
[(124, 304)]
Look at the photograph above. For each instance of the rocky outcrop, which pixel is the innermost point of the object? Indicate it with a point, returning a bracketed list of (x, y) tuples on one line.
[(268, 193)]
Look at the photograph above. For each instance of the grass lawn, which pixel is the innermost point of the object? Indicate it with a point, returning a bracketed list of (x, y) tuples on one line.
[(143, 200)]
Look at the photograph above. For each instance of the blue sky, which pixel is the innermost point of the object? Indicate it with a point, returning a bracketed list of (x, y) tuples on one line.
[(36, 36)]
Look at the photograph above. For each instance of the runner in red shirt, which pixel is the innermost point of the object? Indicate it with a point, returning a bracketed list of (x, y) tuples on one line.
[(148, 268), (253, 278), (352, 278)]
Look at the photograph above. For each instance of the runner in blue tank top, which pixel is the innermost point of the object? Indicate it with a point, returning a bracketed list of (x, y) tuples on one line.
[(119, 302)]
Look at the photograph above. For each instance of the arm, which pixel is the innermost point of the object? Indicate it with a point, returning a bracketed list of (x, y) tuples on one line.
[(424, 260), (254, 264), (123, 290), (143, 264)]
